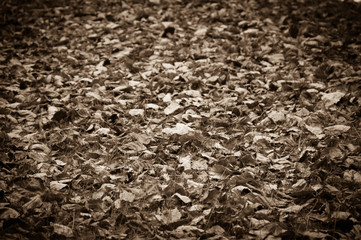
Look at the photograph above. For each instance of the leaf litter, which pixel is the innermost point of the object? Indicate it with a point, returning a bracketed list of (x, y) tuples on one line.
[(180, 120)]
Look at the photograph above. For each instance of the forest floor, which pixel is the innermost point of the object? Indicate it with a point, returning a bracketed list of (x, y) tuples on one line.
[(160, 119)]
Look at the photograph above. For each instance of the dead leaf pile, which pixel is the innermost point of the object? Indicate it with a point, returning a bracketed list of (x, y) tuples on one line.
[(180, 120)]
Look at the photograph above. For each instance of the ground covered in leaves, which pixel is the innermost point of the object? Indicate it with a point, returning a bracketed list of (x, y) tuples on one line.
[(156, 119)]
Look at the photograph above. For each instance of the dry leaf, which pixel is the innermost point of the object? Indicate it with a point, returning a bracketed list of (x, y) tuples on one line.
[(172, 107), (184, 199), (8, 213), (315, 130), (277, 117), (169, 216), (340, 215), (200, 165), (34, 202), (62, 230), (337, 129), (185, 162), (180, 129), (136, 112), (55, 185), (330, 99), (201, 31), (126, 196), (276, 58)]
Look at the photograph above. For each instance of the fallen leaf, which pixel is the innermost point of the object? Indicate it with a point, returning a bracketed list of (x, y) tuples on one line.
[(199, 165), (169, 216), (35, 202), (276, 58), (262, 159), (186, 231), (240, 190), (185, 162), (340, 215), (180, 129), (219, 172), (315, 130), (172, 107), (217, 230), (152, 106), (299, 184), (62, 230), (201, 31), (337, 129), (60, 163), (167, 98), (167, 66), (125, 52), (8, 213), (277, 117), (194, 187), (136, 112), (126, 196), (315, 235), (293, 209), (330, 99), (352, 176), (155, 1), (102, 131), (256, 223), (184, 199), (55, 185)]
